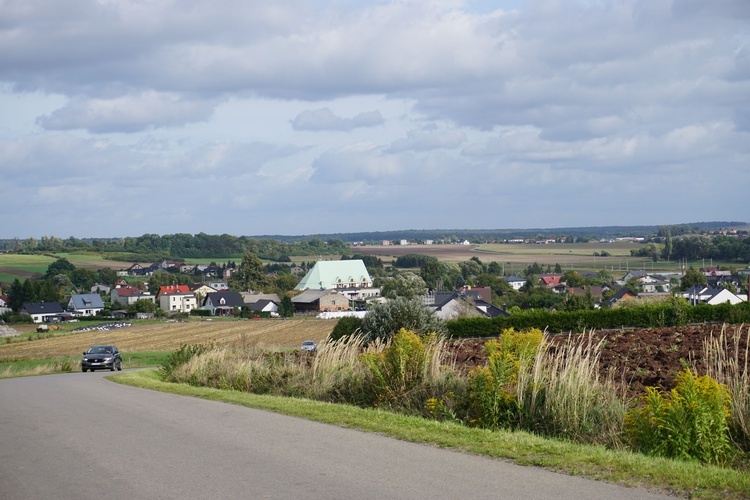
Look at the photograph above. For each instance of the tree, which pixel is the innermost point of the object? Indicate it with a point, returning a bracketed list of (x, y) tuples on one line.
[(60, 266), (385, 319), (433, 273), (142, 305), (692, 278), (495, 268), (250, 274), (407, 285), (573, 279), (286, 307)]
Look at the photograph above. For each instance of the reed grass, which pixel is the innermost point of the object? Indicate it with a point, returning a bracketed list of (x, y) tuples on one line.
[(728, 363)]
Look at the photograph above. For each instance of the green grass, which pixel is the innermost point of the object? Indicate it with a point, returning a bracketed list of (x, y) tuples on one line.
[(594, 462), (27, 367)]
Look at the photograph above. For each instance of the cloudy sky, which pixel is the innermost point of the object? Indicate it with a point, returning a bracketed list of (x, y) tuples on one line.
[(126, 117)]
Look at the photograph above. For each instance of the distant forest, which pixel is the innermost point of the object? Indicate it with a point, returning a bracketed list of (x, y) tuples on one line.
[(279, 248)]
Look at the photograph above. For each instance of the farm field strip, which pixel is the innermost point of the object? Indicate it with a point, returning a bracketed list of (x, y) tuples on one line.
[(170, 336)]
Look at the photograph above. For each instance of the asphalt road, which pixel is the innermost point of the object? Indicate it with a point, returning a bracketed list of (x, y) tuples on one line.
[(81, 436)]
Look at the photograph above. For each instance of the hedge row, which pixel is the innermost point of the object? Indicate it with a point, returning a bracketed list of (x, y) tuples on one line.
[(563, 321)]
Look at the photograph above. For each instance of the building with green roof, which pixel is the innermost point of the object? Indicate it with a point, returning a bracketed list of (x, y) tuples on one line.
[(336, 274)]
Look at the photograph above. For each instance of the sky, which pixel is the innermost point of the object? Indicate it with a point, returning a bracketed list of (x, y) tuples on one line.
[(128, 117)]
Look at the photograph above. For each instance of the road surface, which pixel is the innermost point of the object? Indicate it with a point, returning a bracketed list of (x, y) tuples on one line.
[(81, 436)]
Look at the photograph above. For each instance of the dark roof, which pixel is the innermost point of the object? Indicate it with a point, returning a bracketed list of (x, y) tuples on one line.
[(225, 299), (260, 304), (42, 308)]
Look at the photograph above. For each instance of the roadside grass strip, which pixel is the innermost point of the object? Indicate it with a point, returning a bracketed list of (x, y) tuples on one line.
[(683, 478)]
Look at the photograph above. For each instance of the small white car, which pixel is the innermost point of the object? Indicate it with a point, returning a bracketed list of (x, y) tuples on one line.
[(309, 345)]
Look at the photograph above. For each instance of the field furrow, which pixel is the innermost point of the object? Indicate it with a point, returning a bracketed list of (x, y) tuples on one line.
[(169, 336)]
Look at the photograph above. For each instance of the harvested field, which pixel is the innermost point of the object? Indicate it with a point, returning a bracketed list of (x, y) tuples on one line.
[(169, 336), (639, 358)]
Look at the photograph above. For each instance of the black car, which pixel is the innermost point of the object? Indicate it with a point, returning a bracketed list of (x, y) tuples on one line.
[(101, 357)]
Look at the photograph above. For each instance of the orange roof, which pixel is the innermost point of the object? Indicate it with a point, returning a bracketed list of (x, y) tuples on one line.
[(174, 289)]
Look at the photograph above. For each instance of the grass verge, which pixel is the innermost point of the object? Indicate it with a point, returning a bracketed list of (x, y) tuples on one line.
[(63, 364), (594, 462)]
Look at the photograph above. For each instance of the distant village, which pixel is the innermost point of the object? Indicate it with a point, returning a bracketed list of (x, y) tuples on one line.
[(338, 288)]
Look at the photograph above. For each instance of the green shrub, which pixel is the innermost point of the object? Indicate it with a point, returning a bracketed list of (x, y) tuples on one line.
[(399, 368), (345, 327), (181, 356), (384, 320), (691, 422), (492, 389)]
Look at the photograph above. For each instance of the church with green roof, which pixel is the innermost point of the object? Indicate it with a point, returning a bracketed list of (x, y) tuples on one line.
[(336, 274)]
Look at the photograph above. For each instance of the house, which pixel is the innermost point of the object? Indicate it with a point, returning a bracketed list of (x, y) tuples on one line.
[(200, 290), (222, 303), (360, 294), (711, 296), (101, 288), (320, 300), (634, 275), (128, 295), (172, 289), (623, 294), (336, 274), (86, 304), (475, 293), (251, 298), (3, 301), (43, 311), (218, 285), (550, 280), (515, 282), (176, 298), (264, 305), (451, 305)]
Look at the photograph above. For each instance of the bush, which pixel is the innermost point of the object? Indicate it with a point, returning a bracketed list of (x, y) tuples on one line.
[(177, 358), (691, 422), (384, 320), (492, 389), (398, 368), (346, 327)]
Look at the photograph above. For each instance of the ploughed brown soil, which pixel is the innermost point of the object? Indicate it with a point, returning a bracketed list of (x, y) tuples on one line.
[(638, 357)]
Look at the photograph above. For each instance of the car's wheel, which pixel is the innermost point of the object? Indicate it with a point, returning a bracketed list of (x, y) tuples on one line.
[(119, 366), (83, 370), (114, 363)]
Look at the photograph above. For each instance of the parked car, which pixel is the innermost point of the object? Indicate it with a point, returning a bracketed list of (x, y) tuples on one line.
[(101, 357), (309, 345)]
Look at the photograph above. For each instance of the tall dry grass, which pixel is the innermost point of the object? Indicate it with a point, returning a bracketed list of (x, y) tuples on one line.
[(726, 361), (561, 393)]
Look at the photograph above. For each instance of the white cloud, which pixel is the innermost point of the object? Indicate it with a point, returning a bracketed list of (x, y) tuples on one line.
[(325, 120), (387, 112)]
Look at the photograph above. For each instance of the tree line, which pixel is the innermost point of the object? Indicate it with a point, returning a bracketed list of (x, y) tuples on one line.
[(151, 247)]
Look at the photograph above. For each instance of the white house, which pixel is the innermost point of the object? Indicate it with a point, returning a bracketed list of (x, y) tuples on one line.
[(711, 296), (86, 304)]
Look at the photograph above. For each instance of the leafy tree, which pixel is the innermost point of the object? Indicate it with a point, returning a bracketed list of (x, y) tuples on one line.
[(433, 273), (495, 268), (385, 319), (692, 278), (407, 285), (250, 274), (558, 269), (60, 266), (143, 305), (573, 279), (470, 268), (286, 307), (107, 276)]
